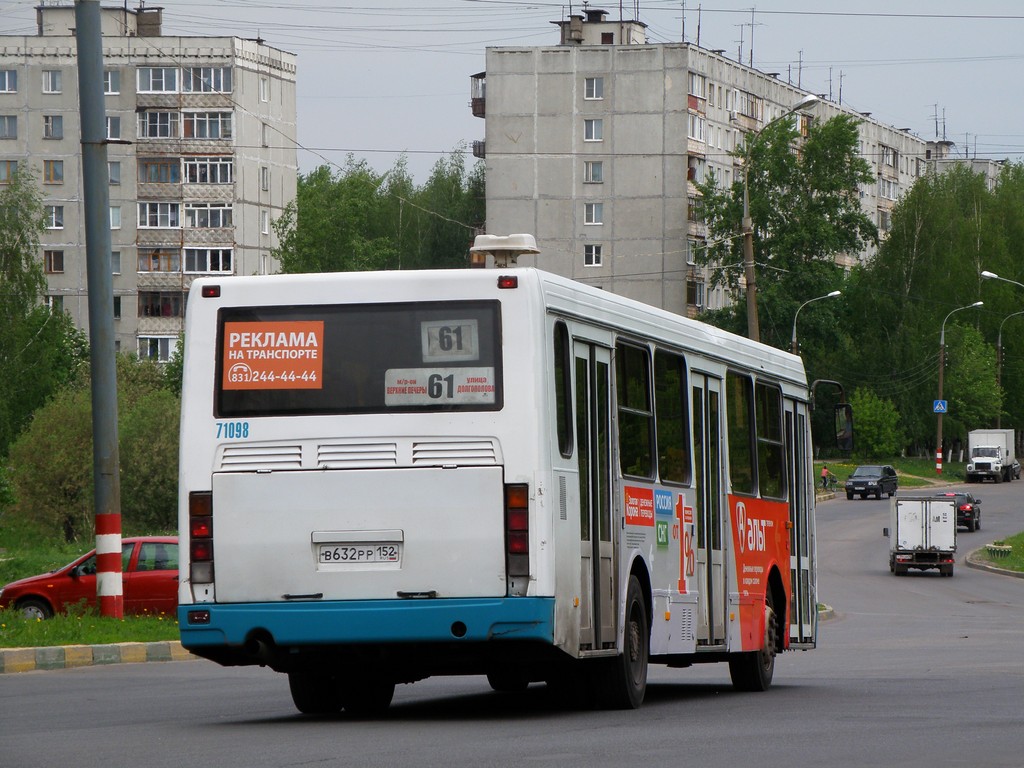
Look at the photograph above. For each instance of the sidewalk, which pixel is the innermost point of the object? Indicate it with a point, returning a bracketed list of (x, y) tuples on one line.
[(67, 656)]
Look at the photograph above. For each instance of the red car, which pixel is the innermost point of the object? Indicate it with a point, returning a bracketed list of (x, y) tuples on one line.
[(149, 583)]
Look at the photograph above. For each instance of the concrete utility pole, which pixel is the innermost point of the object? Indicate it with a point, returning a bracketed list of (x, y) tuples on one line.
[(96, 194)]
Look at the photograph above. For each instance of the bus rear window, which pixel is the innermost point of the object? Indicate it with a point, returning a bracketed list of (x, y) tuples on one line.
[(368, 358)]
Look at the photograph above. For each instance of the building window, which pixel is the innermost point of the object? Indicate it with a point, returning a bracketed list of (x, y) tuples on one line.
[(161, 303), (53, 127), (55, 217), (207, 125), (114, 172), (593, 213), (695, 293), (698, 85), (889, 156), (158, 348), (113, 127), (53, 171), (206, 80), (593, 172), (884, 220), (8, 81), (117, 307), (264, 178), (51, 81), (207, 215), (209, 170), (593, 129), (7, 170), (266, 135), (115, 262), (53, 262), (159, 260), (55, 303), (593, 88), (159, 170), (264, 89), (696, 127), (591, 255), (208, 260), (265, 222), (158, 125), (111, 81), (888, 189), (8, 126), (157, 79), (115, 217), (159, 215)]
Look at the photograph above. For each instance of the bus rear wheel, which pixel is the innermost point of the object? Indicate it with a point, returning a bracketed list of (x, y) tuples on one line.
[(626, 677), (316, 693), (754, 670)]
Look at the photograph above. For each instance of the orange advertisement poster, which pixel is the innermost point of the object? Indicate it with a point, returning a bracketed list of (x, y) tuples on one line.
[(274, 355)]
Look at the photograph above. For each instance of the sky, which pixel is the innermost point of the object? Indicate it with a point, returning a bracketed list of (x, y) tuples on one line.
[(383, 79)]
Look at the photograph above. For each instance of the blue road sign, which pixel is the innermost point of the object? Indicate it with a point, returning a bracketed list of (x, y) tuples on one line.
[(939, 406)]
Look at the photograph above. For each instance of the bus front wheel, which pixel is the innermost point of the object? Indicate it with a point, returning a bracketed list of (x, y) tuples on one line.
[(626, 681), (753, 670)]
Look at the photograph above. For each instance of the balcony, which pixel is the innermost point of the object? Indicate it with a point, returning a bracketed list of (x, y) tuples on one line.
[(480, 149), (478, 94)]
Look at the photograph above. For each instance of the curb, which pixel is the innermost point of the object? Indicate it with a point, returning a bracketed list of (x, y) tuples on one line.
[(68, 656), (972, 561)]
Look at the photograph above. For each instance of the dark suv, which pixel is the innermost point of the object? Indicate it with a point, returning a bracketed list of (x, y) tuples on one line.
[(872, 480), (968, 509)]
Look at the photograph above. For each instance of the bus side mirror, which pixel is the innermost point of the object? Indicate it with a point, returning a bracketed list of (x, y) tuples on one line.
[(844, 427)]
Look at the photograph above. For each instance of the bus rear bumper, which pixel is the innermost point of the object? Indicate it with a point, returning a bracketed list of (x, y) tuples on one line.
[(208, 626)]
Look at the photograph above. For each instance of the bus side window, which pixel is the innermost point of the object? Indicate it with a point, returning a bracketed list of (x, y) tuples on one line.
[(671, 424), (739, 409), (771, 456), (636, 420), (563, 391)]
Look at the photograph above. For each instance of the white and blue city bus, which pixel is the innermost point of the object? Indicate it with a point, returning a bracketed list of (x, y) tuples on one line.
[(391, 475)]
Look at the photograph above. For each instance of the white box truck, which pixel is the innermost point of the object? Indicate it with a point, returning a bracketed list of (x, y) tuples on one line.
[(922, 534), (991, 456)]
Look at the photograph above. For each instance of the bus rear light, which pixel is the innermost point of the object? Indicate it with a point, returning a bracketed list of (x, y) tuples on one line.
[(508, 281), (200, 528), (201, 550), (211, 292), (517, 528)]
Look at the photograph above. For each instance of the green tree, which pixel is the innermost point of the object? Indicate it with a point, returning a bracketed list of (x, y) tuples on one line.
[(40, 350), (928, 266), (357, 219), (51, 464), (805, 209), (877, 429)]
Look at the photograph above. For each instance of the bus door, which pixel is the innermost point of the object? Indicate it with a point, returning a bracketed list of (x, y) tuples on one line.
[(802, 607), (593, 438), (707, 452)]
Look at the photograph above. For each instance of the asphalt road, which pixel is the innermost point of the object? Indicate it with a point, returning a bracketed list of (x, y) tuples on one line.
[(911, 671)]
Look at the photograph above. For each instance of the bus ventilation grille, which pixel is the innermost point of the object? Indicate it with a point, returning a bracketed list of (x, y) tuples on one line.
[(368, 455), (458, 452), (250, 458)]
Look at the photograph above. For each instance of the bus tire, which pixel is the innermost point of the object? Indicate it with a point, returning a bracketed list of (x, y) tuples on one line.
[(507, 681), (316, 693), (369, 698), (626, 677), (754, 670)]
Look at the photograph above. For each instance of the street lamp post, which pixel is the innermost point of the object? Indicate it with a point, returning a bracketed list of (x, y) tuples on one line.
[(747, 225), (833, 294), (999, 361), (942, 364)]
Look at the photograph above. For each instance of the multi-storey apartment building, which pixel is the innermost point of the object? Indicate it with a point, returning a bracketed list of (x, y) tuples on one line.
[(201, 155), (595, 145)]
